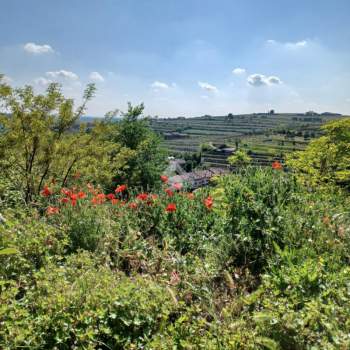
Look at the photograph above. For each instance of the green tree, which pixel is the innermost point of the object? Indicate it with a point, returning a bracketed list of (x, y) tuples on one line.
[(239, 159), (326, 159), (37, 142), (146, 158)]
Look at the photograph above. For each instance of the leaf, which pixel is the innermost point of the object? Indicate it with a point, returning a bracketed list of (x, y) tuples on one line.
[(8, 251)]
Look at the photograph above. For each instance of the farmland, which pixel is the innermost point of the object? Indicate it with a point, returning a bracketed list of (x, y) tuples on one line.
[(264, 136)]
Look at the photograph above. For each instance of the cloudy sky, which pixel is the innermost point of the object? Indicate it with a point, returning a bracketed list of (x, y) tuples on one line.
[(183, 57)]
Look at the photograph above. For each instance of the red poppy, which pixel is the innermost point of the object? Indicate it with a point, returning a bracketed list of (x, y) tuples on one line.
[(66, 192), (120, 189), (171, 207), (277, 165), (154, 196), (132, 205), (81, 195), (110, 196), (64, 200), (164, 178), (114, 201), (73, 202), (142, 196), (46, 192), (177, 186), (52, 210), (73, 197), (169, 192), (208, 202)]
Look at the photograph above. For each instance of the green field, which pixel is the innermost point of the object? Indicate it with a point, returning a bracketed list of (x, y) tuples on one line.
[(266, 136)]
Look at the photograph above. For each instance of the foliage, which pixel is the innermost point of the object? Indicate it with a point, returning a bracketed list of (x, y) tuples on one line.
[(37, 143), (239, 158), (146, 159), (326, 159)]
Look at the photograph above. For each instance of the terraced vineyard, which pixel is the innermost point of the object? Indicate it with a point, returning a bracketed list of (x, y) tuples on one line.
[(265, 136)]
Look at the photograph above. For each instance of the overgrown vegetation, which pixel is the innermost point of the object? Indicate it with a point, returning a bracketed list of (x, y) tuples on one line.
[(259, 260)]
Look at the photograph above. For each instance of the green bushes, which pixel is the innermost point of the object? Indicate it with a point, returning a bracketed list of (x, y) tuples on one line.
[(255, 262)]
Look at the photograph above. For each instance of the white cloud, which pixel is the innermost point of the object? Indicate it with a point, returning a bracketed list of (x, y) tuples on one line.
[(6, 79), (158, 85), (238, 71), (289, 45), (96, 76), (258, 80), (207, 87), (42, 81), (37, 49), (62, 74)]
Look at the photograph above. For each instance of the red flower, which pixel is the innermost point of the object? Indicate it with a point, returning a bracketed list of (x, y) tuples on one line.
[(171, 207), (66, 192), (52, 210), (81, 195), (154, 196), (120, 189), (64, 200), (208, 202), (164, 178), (73, 197), (132, 205), (169, 192), (114, 201), (73, 202), (46, 192), (142, 196), (110, 196), (177, 186), (277, 165)]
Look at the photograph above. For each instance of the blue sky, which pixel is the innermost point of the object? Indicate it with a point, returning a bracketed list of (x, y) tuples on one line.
[(183, 57)]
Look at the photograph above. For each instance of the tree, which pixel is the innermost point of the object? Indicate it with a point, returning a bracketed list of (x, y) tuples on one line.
[(37, 142), (146, 158), (239, 159), (326, 159)]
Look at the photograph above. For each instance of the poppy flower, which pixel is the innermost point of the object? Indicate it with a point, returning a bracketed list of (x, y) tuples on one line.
[(169, 192), (52, 210), (208, 202), (164, 178), (64, 200), (66, 192), (81, 195), (73, 202), (73, 197), (142, 196), (110, 196), (132, 205), (120, 189), (177, 186), (46, 192), (277, 165), (171, 207), (154, 196), (114, 201)]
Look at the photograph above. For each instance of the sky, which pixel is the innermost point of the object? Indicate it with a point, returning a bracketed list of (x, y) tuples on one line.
[(183, 57)]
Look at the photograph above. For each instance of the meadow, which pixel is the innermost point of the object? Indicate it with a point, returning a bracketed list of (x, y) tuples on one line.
[(98, 251)]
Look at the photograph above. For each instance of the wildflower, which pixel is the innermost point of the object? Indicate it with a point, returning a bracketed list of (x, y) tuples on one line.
[(66, 192), (142, 196), (73, 202), (174, 278), (64, 200), (169, 192), (208, 202), (81, 195), (73, 197), (177, 186), (110, 196), (164, 178), (171, 207), (52, 210), (132, 205), (154, 196), (120, 189), (114, 201), (277, 165), (46, 192)]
